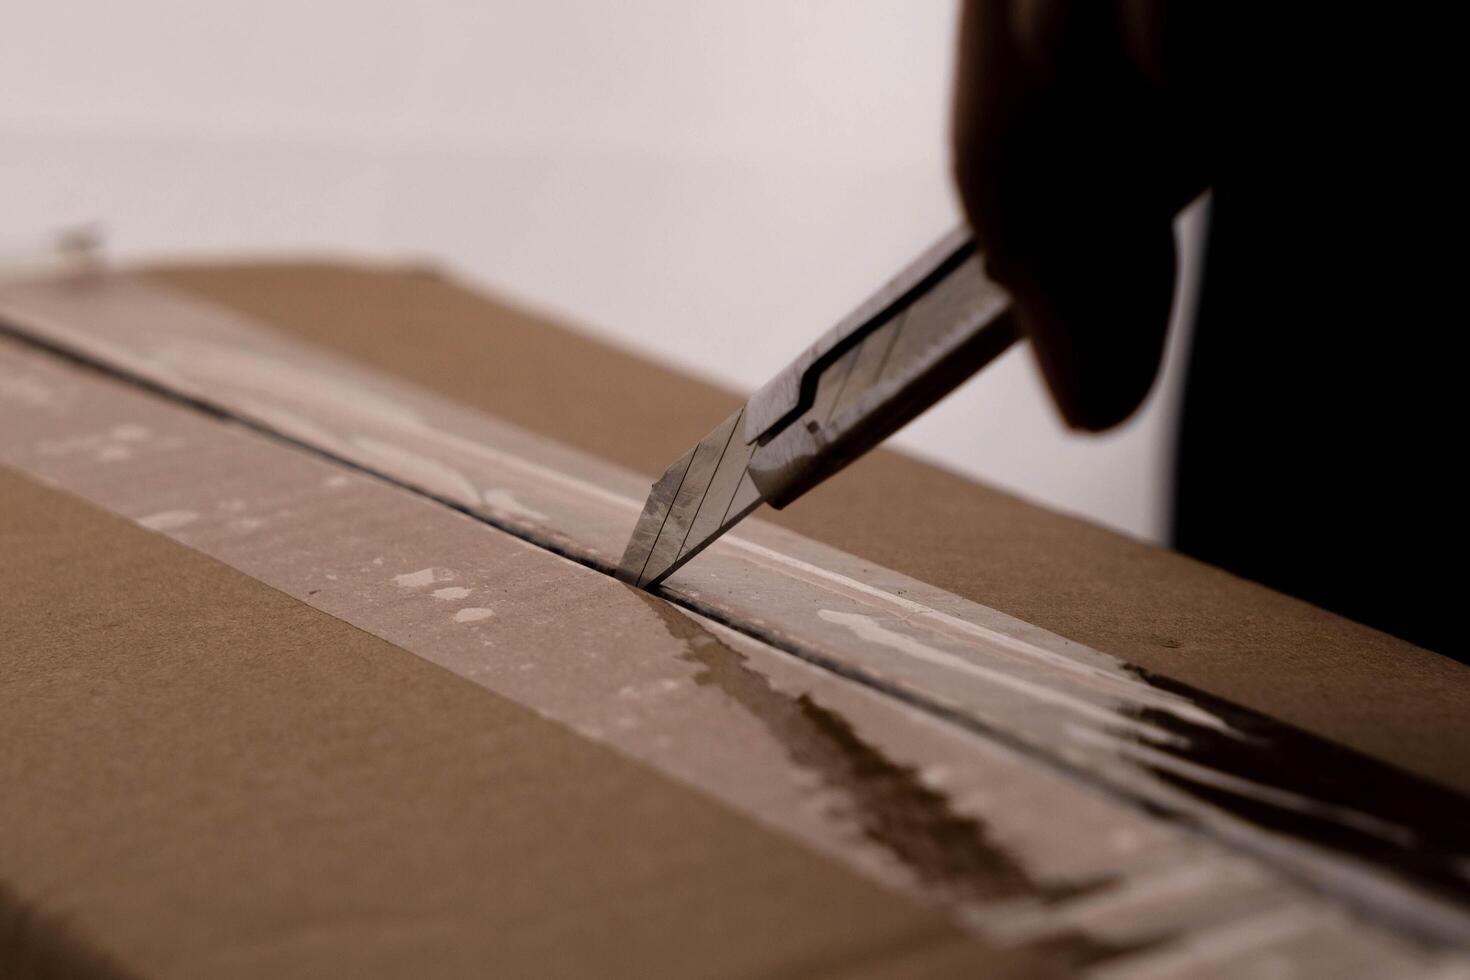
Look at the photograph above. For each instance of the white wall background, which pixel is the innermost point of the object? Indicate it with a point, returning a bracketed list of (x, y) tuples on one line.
[(711, 183)]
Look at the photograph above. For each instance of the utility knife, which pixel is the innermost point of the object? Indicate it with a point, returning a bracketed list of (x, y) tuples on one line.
[(934, 325)]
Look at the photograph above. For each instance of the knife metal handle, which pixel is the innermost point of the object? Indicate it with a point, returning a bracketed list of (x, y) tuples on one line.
[(937, 323)]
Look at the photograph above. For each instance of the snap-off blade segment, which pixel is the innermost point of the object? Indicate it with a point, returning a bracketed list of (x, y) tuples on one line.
[(704, 493)]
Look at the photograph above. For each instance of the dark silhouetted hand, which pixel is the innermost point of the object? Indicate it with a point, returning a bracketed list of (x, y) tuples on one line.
[(1075, 145)]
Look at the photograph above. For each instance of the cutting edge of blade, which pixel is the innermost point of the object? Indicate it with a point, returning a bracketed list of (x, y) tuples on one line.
[(746, 500), (651, 520), (700, 496), (739, 508)]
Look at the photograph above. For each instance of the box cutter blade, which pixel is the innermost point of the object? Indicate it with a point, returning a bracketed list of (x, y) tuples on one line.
[(935, 324)]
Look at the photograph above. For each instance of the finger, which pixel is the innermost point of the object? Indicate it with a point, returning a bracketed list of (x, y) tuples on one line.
[(1097, 313), (1065, 177)]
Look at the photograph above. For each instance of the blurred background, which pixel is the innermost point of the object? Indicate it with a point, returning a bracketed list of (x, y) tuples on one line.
[(708, 184)]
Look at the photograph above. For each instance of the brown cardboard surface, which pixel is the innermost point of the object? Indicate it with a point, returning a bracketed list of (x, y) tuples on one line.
[(221, 781), (1006, 845), (1154, 608)]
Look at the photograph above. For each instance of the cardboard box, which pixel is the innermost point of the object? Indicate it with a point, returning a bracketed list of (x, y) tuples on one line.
[(208, 777)]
